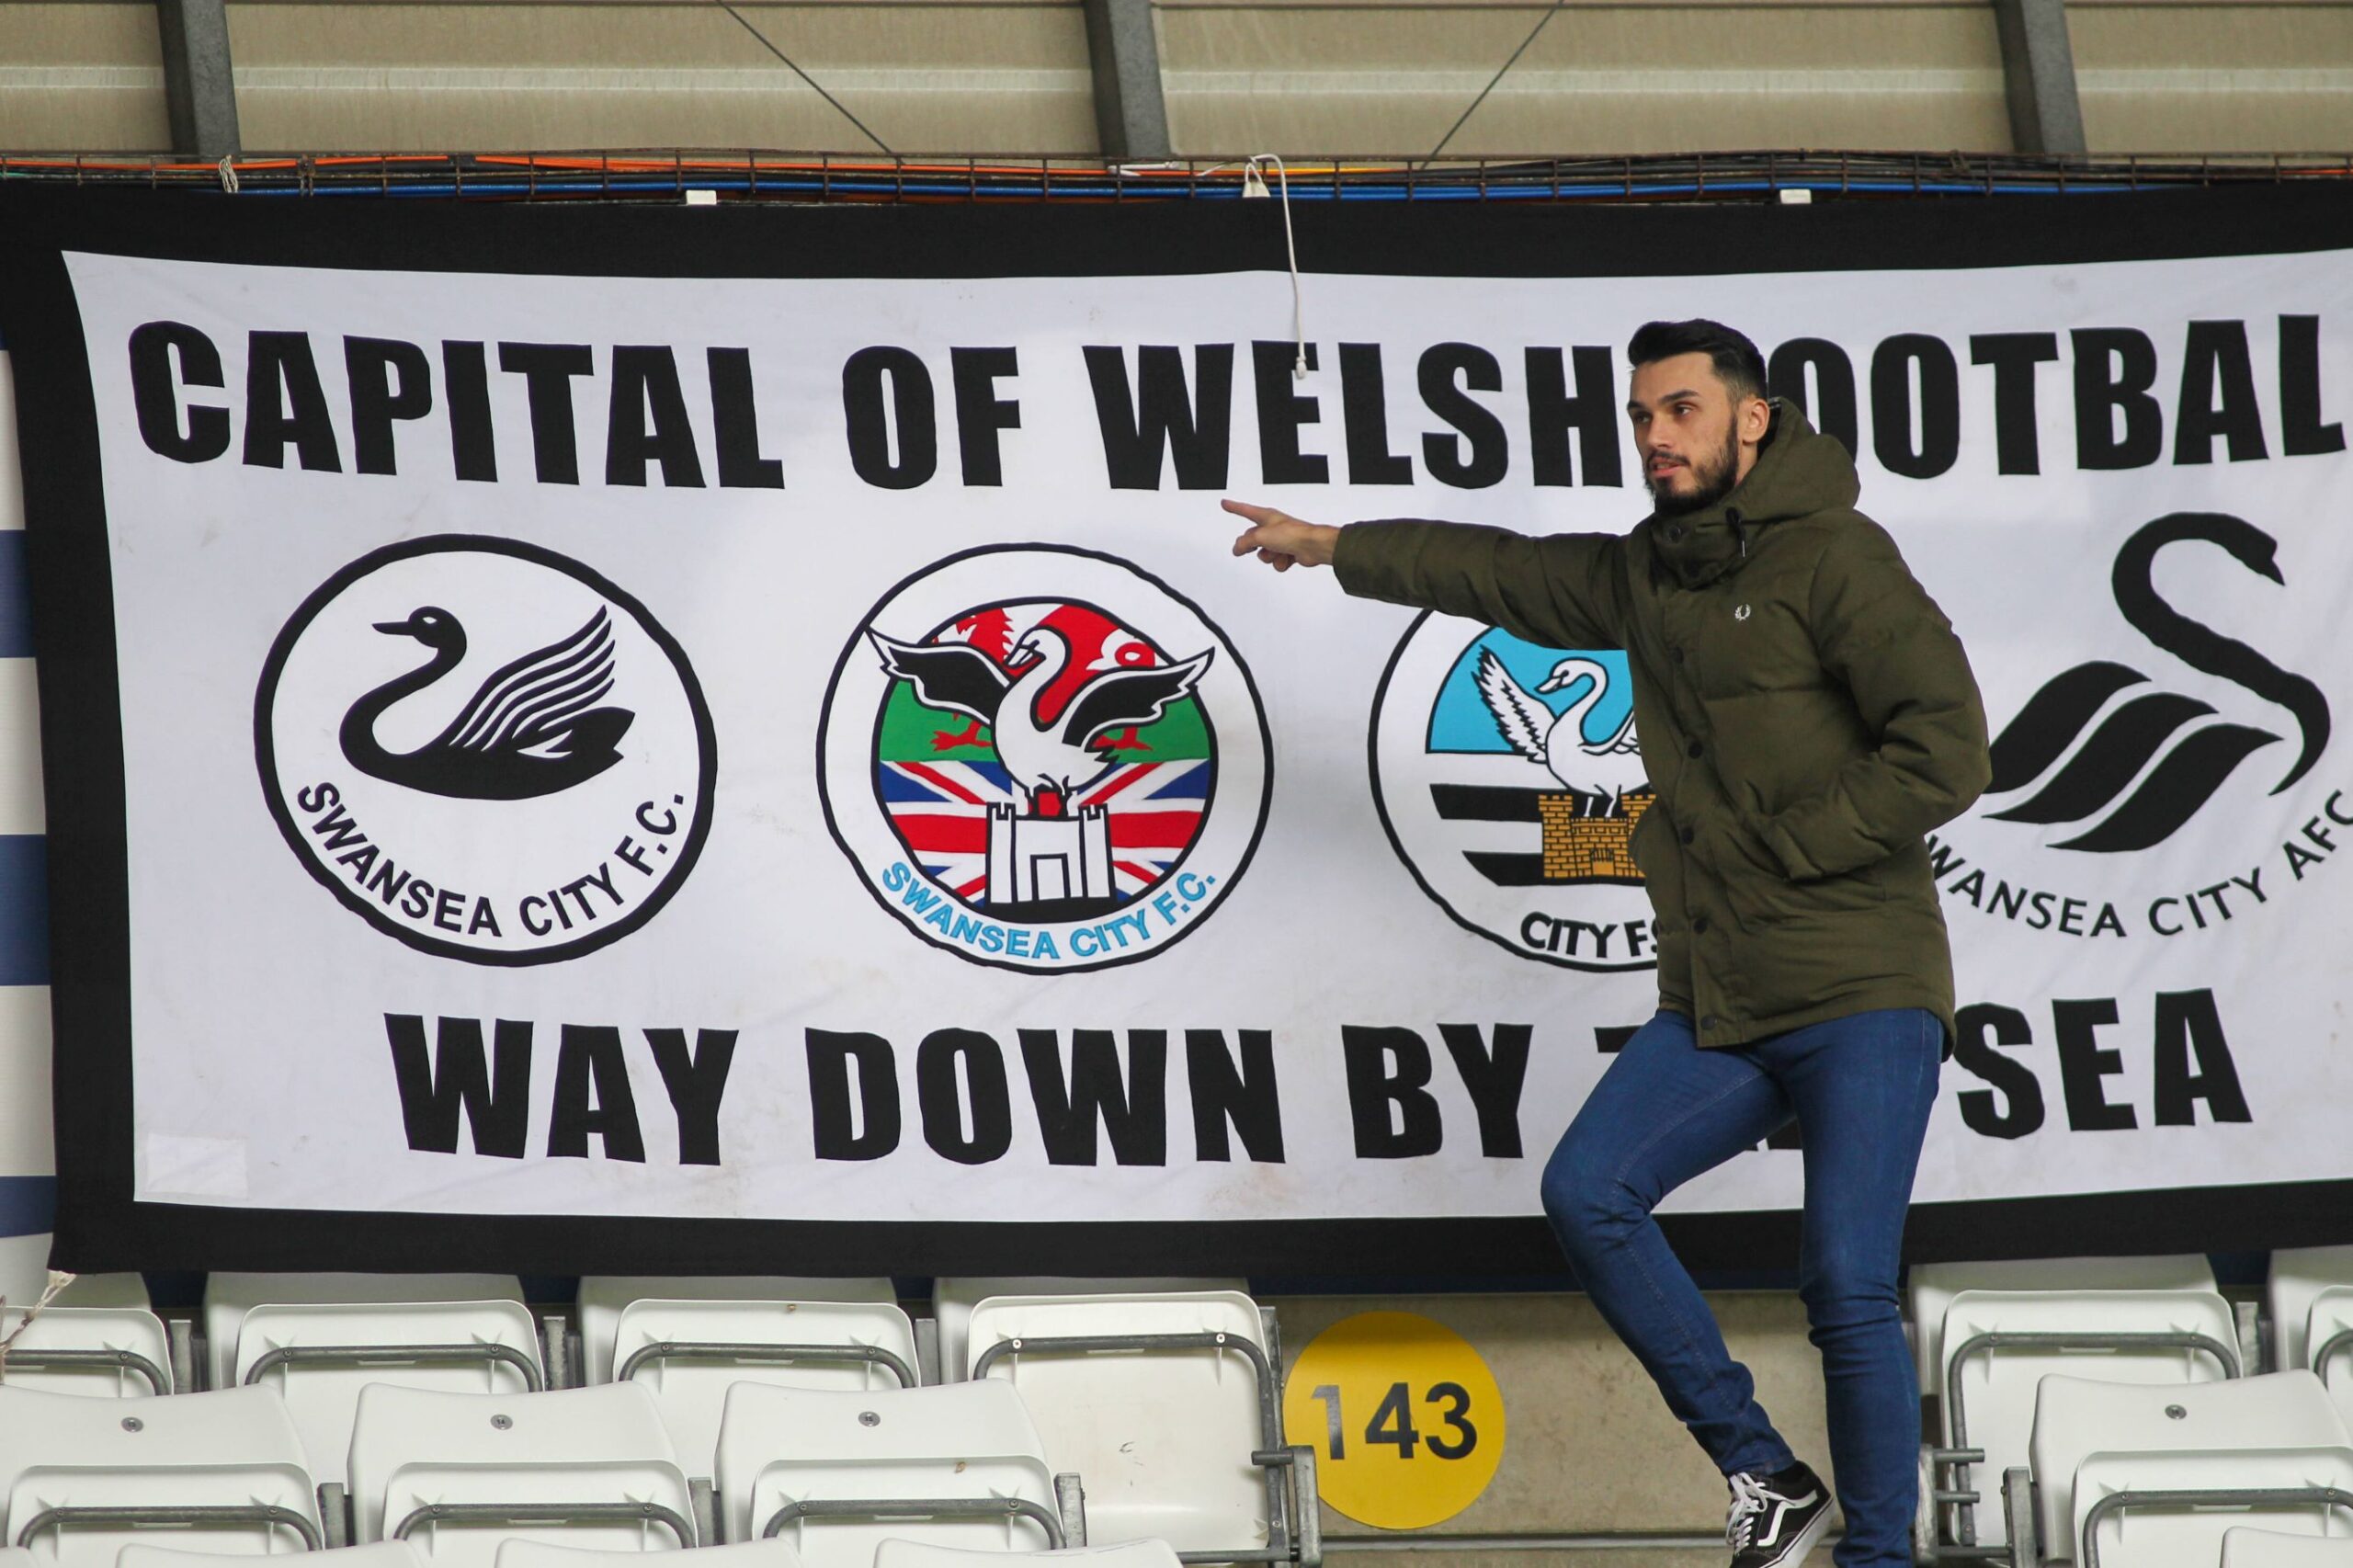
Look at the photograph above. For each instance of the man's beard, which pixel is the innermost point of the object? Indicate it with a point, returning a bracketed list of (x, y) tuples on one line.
[(1712, 482)]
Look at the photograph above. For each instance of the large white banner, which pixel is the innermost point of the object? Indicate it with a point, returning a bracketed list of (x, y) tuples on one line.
[(537, 735)]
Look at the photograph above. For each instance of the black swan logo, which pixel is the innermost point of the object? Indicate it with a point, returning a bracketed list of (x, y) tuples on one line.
[(2114, 756), (531, 730)]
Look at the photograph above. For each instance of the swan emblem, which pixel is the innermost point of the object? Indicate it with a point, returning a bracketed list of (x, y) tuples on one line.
[(1053, 758), (2105, 767), (533, 728), (1536, 732)]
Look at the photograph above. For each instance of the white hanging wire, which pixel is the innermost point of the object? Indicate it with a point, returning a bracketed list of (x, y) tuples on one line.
[(1290, 255)]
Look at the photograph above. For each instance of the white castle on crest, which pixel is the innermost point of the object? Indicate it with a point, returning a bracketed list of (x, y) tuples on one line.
[(1032, 859)]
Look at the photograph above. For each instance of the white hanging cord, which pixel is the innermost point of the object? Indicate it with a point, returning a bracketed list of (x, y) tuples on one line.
[(58, 1280), (1254, 184)]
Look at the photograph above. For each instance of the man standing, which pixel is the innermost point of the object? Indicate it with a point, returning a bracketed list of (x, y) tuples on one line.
[(1806, 716)]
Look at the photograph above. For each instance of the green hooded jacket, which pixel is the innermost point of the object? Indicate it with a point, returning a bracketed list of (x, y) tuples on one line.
[(1805, 715)]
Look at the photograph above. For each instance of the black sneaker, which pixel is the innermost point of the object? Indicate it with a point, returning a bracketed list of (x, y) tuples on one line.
[(1776, 1519)]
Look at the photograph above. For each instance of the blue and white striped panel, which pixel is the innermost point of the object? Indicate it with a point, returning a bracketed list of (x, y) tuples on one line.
[(27, 1156)]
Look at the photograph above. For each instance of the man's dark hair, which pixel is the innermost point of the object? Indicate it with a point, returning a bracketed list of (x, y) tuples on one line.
[(1737, 363)]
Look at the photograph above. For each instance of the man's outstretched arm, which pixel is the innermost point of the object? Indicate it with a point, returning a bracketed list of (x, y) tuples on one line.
[(1563, 591)]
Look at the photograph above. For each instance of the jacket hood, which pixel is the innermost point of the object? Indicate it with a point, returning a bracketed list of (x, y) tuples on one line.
[(1799, 472)]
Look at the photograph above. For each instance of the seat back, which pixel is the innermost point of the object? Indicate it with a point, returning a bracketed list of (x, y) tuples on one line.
[(382, 1554), (2245, 1547), (320, 1355), (2328, 1343), (1932, 1286), (590, 1467), (110, 1352), (779, 1446), (527, 1554), (2186, 1536), (229, 1296), (1163, 1437), (1997, 1381), (604, 1297), (899, 1552), (954, 1297), (2297, 1275), (2077, 1417), (24, 1275), (653, 1344), (232, 1450)]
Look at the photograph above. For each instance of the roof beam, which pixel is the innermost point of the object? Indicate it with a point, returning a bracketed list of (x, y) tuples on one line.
[(1131, 118), (199, 96), (2039, 68)]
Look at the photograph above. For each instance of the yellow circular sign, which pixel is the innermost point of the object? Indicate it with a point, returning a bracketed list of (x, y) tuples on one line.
[(1405, 1420)]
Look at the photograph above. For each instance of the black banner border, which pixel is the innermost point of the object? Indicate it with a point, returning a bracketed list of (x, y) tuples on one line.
[(99, 1227)]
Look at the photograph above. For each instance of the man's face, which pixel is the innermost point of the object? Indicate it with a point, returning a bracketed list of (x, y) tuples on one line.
[(1688, 429)]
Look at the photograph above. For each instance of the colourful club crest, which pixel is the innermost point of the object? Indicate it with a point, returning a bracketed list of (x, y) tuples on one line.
[(1511, 780), (1063, 766)]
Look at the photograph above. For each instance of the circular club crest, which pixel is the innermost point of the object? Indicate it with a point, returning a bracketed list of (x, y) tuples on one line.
[(1511, 780), (1043, 759), (485, 750)]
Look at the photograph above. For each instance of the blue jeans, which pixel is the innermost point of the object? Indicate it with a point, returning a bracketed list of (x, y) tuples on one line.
[(1860, 1087)]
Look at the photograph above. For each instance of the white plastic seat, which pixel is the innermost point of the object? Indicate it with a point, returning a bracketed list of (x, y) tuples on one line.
[(229, 1296), (589, 1467), (382, 1554), (2146, 1535), (897, 1553), (2328, 1344), (2247, 1548), (522, 1553), (2298, 1276), (111, 1352), (1163, 1436), (953, 1299), (320, 1355), (2076, 1418), (604, 1297), (1932, 1286), (1996, 1412), (785, 1454), (233, 1453), (850, 1345)]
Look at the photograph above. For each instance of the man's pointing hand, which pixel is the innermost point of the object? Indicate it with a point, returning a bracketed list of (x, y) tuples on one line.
[(1280, 540)]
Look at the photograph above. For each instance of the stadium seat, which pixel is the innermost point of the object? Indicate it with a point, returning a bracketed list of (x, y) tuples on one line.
[(456, 1474), (111, 1352), (522, 1553), (1163, 1432), (2299, 1275), (2235, 1429), (604, 1297), (689, 1352), (952, 1300), (1998, 1345), (2247, 1548), (228, 1296), (382, 1554), (222, 1471), (2170, 1510), (2328, 1343), (897, 1553), (319, 1355), (964, 1461), (1934, 1284)]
